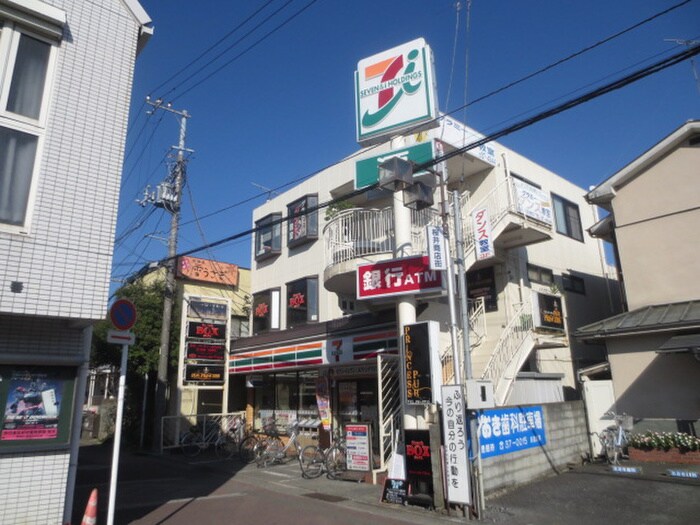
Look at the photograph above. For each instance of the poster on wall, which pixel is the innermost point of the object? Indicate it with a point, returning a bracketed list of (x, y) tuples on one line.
[(323, 402), (37, 404)]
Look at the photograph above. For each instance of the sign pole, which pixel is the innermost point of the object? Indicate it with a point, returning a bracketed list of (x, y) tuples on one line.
[(117, 436)]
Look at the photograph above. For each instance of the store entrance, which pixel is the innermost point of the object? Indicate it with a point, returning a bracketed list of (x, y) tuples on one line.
[(357, 402)]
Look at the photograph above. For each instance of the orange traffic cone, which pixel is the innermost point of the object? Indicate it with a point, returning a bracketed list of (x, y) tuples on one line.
[(90, 516)]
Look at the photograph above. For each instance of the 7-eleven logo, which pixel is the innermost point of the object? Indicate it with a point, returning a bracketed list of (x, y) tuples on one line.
[(395, 77)]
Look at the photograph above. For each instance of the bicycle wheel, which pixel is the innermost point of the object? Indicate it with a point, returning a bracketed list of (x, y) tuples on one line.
[(225, 447), (246, 452), (190, 444), (311, 460), (335, 462), (268, 451), (607, 439)]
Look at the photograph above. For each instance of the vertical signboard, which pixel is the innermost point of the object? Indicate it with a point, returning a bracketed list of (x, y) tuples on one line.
[(357, 442), (436, 248), (483, 238), (205, 344), (548, 312), (423, 371), (454, 429), (419, 468)]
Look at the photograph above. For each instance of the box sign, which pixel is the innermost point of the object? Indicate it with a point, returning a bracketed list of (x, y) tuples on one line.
[(548, 312), (367, 170), (207, 271), (419, 469), (212, 352), (423, 370), (507, 430), (204, 373), (206, 330), (207, 310), (533, 202), (411, 275), (395, 92)]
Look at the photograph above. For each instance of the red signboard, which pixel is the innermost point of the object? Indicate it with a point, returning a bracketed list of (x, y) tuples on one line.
[(205, 351), (411, 275)]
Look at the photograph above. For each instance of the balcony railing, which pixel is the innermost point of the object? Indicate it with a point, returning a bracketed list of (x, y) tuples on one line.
[(361, 232)]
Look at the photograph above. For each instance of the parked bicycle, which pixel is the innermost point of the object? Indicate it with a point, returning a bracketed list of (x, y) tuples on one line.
[(201, 437), (272, 451), (234, 434), (613, 439), (252, 444), (315, 460)]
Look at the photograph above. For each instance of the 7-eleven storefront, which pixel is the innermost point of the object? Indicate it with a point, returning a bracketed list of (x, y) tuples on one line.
[(321, 382)]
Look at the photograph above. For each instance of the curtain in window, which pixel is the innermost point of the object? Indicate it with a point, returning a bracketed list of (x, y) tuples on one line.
[(17, 152), (28, 77)]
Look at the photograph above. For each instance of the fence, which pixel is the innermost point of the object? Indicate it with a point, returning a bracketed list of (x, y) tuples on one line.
[(173, 428)]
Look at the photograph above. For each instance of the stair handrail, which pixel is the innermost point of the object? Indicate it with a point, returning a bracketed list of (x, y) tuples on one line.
[(514, 333), (477, 312)]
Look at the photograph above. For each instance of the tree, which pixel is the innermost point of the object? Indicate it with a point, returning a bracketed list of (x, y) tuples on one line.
[(143, 354)]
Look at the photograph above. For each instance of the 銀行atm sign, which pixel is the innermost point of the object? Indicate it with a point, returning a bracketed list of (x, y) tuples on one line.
[(411, 275)]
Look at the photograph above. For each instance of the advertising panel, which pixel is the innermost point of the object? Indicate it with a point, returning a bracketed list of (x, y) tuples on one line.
[(423, 371), (202, 330), (506, 430), (323, 401), (367, 170), (207, 310), (436, 248), (411, 275), (483, 239), (395, 92), (454, 428), (532, 201), (419, 469), (208, 351), (207, 271), (357, 441), (37, 404), (210, 374), (548, 313)]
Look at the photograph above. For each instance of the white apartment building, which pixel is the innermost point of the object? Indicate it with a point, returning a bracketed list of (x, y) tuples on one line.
[(315, 343), (66, 70)]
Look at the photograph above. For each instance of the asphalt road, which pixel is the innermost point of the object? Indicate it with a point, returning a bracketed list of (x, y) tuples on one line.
[(174, 490)]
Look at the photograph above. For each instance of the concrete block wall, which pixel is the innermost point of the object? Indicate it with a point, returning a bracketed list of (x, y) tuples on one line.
[(565, 427)]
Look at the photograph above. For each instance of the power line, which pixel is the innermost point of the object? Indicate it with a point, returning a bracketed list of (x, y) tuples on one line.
[(252, 46), (211, 48), (613, 86)]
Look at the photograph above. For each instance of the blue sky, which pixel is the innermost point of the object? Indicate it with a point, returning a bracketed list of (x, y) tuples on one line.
[(284, 108)]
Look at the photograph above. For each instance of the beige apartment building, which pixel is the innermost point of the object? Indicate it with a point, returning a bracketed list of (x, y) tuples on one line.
[(654, 347)]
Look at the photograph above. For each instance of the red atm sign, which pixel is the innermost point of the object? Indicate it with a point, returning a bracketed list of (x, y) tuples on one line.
[(411, 275)]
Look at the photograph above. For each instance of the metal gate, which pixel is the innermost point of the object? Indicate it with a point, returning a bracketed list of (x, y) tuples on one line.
[(389, 389)]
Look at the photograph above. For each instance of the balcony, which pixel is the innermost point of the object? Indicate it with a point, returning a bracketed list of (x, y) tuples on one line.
[(362, 235)]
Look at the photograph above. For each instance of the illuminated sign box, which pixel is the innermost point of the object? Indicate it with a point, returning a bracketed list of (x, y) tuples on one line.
[(395, 92), (410, 275)]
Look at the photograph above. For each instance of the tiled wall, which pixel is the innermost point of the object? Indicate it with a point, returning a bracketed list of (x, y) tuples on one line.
[(65, 261)]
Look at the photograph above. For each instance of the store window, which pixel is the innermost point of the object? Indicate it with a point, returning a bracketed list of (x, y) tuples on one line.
[(268, 236), (539, 275), (266, 311), (567, 218), (24, 81), (302, 302), (302, 224), (571, 283), (285, 397)]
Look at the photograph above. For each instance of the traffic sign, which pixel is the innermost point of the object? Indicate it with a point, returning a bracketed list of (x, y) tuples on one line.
[(123, 314), (121, 337)]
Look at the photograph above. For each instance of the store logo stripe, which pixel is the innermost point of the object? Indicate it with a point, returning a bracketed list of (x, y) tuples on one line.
[(378, 335)]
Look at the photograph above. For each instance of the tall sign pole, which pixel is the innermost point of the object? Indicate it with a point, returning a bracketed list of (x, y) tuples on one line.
[(169, 197), (123, 316)]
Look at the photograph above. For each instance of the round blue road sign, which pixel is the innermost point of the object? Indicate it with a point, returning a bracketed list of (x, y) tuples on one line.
[(123, 314)]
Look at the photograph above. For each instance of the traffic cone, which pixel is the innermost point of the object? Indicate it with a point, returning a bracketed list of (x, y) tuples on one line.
[(90, 516)]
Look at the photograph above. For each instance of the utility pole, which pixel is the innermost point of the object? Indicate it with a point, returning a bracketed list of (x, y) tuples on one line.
[(168, 196)]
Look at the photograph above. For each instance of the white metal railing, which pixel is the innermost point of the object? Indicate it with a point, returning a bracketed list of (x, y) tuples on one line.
[(498, 202), (360, 232), (477, 333), (510, 343), (173, 428), (389, 406)]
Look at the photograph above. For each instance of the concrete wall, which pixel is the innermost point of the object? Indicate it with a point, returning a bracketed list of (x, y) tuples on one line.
[(567, 442)]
